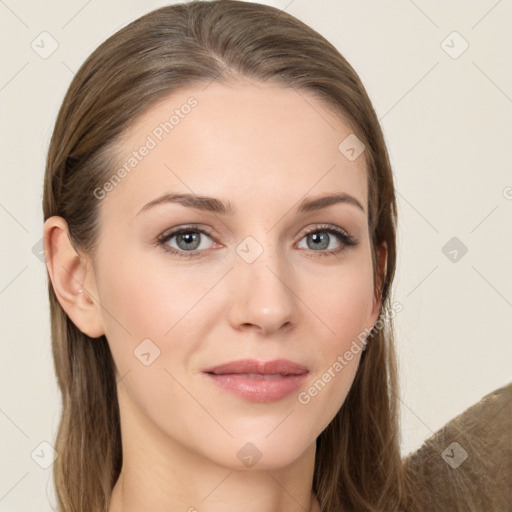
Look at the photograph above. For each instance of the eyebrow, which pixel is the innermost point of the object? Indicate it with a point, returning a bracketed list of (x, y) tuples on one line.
[(211, 204)]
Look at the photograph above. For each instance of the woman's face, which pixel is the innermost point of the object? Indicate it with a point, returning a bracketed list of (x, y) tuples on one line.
[(243, 281)]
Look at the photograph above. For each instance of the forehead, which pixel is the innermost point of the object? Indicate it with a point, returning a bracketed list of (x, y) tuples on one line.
[(251, 144)]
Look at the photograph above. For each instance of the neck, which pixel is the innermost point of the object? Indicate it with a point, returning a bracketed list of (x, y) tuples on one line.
[(257, 491)]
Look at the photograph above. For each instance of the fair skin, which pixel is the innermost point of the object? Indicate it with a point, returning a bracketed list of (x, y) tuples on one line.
[(264, 149)]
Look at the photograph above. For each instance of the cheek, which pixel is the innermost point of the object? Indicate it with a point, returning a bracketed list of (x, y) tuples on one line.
[(151, 312), (145, 315), (343, 302), (148, 300), (344, 307)]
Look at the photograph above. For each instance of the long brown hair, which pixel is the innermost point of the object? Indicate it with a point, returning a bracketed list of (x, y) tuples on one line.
[(358, 464)]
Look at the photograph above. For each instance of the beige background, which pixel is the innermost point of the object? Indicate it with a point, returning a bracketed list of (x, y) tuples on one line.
[(447, 122)]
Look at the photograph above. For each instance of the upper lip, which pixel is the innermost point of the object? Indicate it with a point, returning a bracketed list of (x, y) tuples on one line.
[(244, 366)]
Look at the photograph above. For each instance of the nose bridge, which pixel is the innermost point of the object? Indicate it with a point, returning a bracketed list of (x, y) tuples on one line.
[(262, 280)]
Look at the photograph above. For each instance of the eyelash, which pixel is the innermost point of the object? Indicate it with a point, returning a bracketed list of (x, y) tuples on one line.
[(346, 240)]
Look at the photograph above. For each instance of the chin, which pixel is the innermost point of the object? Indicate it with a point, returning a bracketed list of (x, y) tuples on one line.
[(257, 452)]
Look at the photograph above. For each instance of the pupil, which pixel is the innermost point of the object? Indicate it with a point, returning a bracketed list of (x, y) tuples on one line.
[(320, 240), (189, 237)]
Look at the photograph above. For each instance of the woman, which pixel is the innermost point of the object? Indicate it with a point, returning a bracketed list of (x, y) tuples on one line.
[(219, 231)]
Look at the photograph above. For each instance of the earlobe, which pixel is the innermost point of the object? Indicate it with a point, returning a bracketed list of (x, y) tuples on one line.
[(72, 278)]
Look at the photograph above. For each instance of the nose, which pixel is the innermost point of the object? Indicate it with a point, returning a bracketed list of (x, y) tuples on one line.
[(263, 298)]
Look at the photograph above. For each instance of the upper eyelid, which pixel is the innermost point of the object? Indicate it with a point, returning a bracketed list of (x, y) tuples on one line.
[(174, 231), (208, 230)]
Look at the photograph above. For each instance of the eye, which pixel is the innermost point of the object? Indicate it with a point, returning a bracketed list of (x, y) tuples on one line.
[(320, 238), (188, 239)]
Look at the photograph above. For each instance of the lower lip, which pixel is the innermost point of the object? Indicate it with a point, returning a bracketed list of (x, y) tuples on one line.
[(259, 389)]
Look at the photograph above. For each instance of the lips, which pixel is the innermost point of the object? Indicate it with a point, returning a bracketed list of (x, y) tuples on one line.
[(258, 381), (252, 367)]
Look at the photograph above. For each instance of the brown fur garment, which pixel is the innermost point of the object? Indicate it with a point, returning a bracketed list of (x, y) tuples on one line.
[(473, 475)]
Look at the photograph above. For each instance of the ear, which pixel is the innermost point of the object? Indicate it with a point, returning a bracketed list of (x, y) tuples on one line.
[(72, 278), (382, 258)]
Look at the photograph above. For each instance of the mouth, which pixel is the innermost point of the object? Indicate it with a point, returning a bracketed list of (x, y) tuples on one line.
[(282, 367), (254, 375), (258, 381)]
